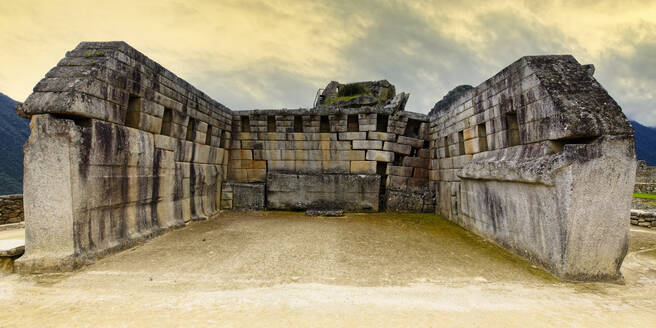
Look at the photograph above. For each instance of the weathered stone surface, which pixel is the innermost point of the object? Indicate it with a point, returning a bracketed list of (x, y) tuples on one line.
[(323, 212), (538, 159), (363, 167), (352, 193), (645, 178), (94, 186), (397, 148), (352, 135), (248, 196), (367, 144), (11, 209), (543, 185), (380, 156)]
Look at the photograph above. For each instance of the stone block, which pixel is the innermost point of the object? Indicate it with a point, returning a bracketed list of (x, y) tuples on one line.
[(367, 144), (165, 142), (281, 166), (470, 133), (397, 183), (401, 171), (380, 156), (335, 166), (415, 162), (472, 146), (414, 142), (397, 148), (307, 166), (241, 154), (348, 155), (248, 197), (330, 191), (363, 167), (383, 136), (352, 135), (256, 175), (267, 154)]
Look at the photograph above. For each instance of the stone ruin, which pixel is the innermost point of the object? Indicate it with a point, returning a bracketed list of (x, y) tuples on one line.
[(538, 159), (645, 178)]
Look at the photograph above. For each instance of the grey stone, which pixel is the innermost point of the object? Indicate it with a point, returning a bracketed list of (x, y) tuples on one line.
[(321, 212)]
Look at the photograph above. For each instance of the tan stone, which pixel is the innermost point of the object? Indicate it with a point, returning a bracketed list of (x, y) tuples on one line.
[(380, 155), (367, 144), (335, 166), (363, 167)]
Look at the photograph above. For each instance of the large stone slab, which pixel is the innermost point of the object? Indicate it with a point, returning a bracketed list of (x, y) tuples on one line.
[(350, 192)]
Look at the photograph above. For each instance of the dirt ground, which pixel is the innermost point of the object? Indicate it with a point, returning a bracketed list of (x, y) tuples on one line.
[(281, 269)]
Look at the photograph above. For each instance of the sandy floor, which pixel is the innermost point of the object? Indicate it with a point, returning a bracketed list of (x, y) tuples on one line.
[(284, 270)]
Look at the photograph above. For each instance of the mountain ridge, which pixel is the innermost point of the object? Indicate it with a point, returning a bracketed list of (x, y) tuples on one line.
[(645, 139), (14, 131)]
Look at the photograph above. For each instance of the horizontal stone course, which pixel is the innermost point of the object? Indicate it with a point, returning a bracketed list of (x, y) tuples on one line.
[(11, 209)]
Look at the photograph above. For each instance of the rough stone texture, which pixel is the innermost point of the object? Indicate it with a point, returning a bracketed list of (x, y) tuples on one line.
[(269, 141), (118, 153), (248, 196), (348, 192), (643, 218), (11, 209), (645, 178), (549, 170), (324, 212), (539, 159)]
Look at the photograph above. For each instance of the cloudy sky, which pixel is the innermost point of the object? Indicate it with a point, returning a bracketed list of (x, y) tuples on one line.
[(275, 54)]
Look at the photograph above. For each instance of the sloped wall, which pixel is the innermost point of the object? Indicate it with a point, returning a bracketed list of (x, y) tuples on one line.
[(120, 150), (540, 159)]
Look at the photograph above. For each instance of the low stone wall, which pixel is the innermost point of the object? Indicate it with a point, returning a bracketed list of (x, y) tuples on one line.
[(642, 218), (11, 209), (645, 178)]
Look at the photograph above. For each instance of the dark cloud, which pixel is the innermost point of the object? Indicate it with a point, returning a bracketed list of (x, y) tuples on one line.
[(401, 45)]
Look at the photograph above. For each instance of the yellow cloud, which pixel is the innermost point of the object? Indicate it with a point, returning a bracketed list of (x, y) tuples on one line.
[(227, 44)]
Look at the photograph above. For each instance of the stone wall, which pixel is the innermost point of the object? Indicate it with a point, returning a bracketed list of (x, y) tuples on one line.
[(643, 218), (541, 160), (11, 209), (538, 159), (645, 178), (333, 140), (120, 150)]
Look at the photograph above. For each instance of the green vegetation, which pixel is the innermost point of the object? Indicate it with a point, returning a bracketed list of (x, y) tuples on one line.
[(344, 98), (644, 195), (96, 53)]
